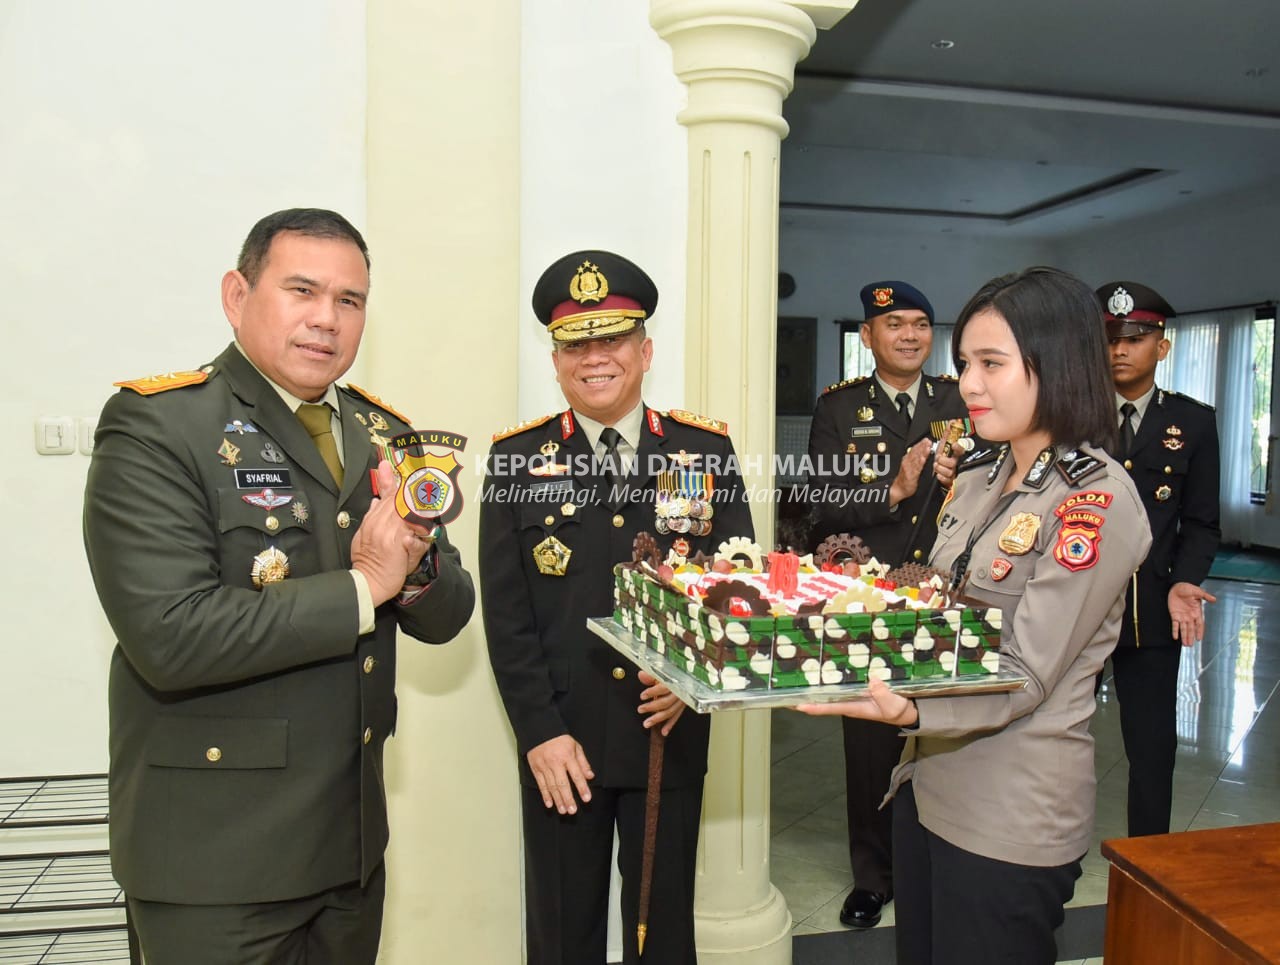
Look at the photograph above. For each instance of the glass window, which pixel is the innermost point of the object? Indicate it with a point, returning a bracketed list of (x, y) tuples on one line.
[(1264, 337)]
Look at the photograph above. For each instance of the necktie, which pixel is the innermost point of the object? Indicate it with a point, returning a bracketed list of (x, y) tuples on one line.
[(316, 420), (904, 406), (611, 466), (1126, 428)]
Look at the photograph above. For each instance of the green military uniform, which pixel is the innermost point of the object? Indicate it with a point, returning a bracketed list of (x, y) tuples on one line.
[(247, 721)]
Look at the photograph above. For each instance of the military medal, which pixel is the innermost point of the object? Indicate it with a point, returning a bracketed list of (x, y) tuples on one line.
[(684, 499), (1163, 493), (865, 414), (235, 425), (1019, 536), (269, 566), (271, 454), (230, 454), (552, 557)]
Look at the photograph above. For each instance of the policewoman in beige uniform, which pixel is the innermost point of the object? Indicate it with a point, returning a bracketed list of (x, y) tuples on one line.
[(994, 799)]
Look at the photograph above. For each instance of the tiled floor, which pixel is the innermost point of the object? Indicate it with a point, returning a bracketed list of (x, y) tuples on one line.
[(1228, 770)]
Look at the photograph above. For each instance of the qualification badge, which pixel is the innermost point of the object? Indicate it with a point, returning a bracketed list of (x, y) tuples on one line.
[(867, 474), (1163, 493), (1020, 535), (230, 454), (271, 454), (269, 566), (865, 414), (552, 557), (300, 511), (1173, 445)]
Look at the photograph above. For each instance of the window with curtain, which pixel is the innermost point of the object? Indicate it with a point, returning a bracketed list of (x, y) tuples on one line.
[(856, 358), (1213, 359)]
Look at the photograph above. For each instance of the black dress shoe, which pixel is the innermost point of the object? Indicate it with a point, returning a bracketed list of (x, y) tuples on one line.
[(862, 908)]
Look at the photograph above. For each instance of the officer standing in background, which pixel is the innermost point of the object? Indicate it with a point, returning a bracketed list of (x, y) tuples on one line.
[(255, 586), (1169, 445), (885, 416), (565, 498)]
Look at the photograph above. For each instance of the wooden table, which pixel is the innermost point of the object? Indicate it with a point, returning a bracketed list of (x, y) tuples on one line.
[(1195, 898)]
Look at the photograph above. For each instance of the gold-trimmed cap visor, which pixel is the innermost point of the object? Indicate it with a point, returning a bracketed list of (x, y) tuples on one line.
[(597, 324), (593, 294)]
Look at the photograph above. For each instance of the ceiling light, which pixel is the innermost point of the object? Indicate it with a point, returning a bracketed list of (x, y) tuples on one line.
[(943, 44)]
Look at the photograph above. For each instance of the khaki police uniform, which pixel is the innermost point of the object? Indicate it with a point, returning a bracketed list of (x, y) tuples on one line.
[(1010, 777)]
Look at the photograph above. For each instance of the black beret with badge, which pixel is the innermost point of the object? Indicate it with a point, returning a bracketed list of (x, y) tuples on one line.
[(1129, 308), (593, 294), (882, 297)]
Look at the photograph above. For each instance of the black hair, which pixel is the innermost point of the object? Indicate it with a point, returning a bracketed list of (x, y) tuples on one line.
[(1057, 322), (312, 222)]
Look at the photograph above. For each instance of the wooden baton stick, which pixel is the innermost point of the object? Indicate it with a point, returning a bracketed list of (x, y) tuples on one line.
[(652, 803)]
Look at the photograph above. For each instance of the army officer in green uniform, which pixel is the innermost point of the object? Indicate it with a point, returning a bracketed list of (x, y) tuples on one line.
[(565, 498), (255, 584)]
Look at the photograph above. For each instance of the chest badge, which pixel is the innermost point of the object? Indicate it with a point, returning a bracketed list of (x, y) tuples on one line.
[(238, 427), (271, 454), (1163, 493), (865, 414), (552, 557), (230, 453), (1173, 444), (269, 566), (1173, 431), (1019, 536), (267, 499), (1000, 568)]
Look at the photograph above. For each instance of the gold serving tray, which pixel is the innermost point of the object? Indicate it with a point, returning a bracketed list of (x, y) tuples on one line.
[(704, 699)]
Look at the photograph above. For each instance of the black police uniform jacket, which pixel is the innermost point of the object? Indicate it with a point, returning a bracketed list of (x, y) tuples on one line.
[(246, 724), (1174, 464), (860, 414), (554, 675)]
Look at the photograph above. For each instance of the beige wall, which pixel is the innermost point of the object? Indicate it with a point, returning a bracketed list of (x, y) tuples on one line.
[(443, 201)]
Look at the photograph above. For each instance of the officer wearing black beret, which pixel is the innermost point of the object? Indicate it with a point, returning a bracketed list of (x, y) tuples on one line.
[(869, 447), (1169, 445), (564, 500)]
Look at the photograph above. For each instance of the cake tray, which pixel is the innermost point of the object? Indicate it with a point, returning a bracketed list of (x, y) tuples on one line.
[(703, 698)]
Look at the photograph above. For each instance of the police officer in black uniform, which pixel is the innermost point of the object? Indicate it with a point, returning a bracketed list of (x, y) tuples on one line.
[(1169, 444), (564, 501), (869, 447)]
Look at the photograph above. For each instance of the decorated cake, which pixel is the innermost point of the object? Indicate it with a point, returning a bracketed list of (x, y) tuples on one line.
[(744, 620)]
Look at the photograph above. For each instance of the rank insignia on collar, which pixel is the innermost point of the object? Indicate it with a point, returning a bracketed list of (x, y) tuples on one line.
[(552, 557), (235, 425), (1173, 444), (267, 499), (1039, 470), (1000, 568), (1019, 537), (865, 414), (928, 388), (271, 454), (566, 424), (655, 423), (1076, 466), (1173, 431), (269, 566), (230, 453), (1163, 493)]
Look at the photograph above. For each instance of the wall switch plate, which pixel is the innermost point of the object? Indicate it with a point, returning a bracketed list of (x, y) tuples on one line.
[(86, 426), (55, 435)]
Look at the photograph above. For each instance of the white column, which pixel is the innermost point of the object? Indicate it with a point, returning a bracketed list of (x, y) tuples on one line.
[(737, 58)]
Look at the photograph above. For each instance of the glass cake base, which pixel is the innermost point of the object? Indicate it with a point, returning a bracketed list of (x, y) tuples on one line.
[(703, 698)]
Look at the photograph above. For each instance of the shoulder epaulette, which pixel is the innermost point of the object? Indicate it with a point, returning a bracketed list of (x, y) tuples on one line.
[(1187, 398), (699, 421), (1078, 467), (163, 383), (985, 453), (370, 397), (510, 431), (845, 384)]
